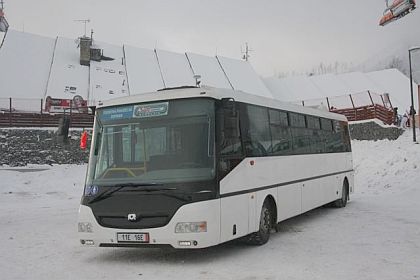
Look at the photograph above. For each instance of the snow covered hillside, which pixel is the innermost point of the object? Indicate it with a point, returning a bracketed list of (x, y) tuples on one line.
[(377, 236)]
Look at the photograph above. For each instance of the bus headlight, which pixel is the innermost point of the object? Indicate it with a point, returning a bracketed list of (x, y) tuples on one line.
[(85, 227), (191, 227)]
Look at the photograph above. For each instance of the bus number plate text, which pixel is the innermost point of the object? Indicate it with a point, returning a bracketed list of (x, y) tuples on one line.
[(133, 237)]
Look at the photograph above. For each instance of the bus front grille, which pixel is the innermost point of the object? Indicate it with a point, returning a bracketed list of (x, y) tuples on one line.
[(140, 223)]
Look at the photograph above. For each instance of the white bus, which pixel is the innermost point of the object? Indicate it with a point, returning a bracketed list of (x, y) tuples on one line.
[(196, 167)]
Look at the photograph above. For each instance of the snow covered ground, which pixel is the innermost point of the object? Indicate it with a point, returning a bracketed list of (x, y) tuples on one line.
[(377, 236)]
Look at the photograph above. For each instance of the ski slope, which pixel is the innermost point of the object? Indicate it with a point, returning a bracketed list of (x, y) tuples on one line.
[(377, 236)]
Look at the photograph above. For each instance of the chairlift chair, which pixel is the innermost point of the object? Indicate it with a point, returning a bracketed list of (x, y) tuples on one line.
[(396, 10)]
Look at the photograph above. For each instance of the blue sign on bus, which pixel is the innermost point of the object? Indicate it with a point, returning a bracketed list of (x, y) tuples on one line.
[(117, 113)]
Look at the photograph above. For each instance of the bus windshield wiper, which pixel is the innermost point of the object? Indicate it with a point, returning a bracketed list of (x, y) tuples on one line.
[(141, 187)]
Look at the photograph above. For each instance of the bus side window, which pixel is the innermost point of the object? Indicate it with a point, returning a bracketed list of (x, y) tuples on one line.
[(281, 140), (300, 134), (331, 144), (346, 137), (228, 139), (256, 131), (314, 127), (228, 136)]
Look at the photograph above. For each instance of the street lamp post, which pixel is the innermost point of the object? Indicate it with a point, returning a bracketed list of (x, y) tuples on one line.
[(412, 94)]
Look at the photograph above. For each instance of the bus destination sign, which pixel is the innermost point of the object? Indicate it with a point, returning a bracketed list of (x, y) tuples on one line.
[(151, 110), (135, 111)]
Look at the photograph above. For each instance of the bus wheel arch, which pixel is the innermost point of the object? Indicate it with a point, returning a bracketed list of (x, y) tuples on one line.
[(267, 221), (345, 194), (273, 209), (346, 183)]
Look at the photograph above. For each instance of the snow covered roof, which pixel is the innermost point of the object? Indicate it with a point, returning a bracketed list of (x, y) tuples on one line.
[(294, 88), (34, 66), (142, 70), (314, 90), (209, 69), (395, 83), (175, 69), (51, 67), (25, 61), (108, 78), (67, 77), (243, 77)]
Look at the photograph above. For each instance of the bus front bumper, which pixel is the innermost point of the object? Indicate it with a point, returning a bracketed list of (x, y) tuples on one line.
[(92, 234)]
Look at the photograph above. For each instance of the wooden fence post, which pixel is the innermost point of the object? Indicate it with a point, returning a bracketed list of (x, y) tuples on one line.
[(374, 106)]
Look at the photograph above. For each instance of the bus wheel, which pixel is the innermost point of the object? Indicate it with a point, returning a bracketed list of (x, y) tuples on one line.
[(342, 202), (263, 234)]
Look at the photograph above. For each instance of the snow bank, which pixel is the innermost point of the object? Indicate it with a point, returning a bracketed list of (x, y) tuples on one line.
[(387, 166)]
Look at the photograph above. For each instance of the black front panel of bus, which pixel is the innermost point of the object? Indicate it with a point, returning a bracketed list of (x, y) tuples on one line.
[(152, 208)]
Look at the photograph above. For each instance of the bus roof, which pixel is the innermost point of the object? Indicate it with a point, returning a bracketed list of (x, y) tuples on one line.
[(218, 93)]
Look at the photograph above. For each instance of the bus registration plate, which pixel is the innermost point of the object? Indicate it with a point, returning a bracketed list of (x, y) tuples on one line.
[(133, 237)]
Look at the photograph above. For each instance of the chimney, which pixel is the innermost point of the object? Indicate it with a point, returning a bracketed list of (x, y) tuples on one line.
[(85, 44)]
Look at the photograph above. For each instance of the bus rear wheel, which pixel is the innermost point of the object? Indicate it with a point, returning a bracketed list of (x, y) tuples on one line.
[(266, 224), (342, 202)]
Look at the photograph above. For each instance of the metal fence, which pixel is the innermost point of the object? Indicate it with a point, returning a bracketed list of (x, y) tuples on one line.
[(22, 105), (25, 112)]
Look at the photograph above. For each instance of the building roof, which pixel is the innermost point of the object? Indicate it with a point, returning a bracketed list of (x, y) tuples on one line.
[(314, 90), (51, 67), (35, 67)]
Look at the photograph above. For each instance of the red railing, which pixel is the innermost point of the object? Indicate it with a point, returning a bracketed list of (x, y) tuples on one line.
[(368, 112), (8, 119), (26, 112), (359, 106)]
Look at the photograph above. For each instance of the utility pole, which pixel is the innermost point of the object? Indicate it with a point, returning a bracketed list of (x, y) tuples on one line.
[(84, 21), (412, 110), (245, 53)]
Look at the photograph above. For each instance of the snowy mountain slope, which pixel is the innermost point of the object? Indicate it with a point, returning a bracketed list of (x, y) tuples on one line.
[(377, 236)]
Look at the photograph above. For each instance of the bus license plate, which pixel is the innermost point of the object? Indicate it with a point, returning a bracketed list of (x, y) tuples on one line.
[(133, 237)]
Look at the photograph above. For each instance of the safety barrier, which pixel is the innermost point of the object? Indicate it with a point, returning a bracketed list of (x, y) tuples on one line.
[(43, 120)]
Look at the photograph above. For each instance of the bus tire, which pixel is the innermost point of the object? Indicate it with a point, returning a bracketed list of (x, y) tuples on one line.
[(342, 202), (263, 234)]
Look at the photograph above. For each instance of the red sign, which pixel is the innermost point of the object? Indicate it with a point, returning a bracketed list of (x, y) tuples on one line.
[(55, 105)]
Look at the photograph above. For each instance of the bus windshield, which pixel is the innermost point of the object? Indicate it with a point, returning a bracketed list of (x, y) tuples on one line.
[(154, 143)]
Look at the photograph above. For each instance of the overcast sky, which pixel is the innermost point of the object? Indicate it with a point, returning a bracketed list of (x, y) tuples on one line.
[(286, 36)]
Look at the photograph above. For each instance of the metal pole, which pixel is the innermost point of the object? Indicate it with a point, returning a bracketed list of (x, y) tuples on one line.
[(10, 111), (40, 115), (412, 98)]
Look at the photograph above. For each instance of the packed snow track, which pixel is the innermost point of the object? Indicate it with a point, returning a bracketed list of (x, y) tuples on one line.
[(377, 236)]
